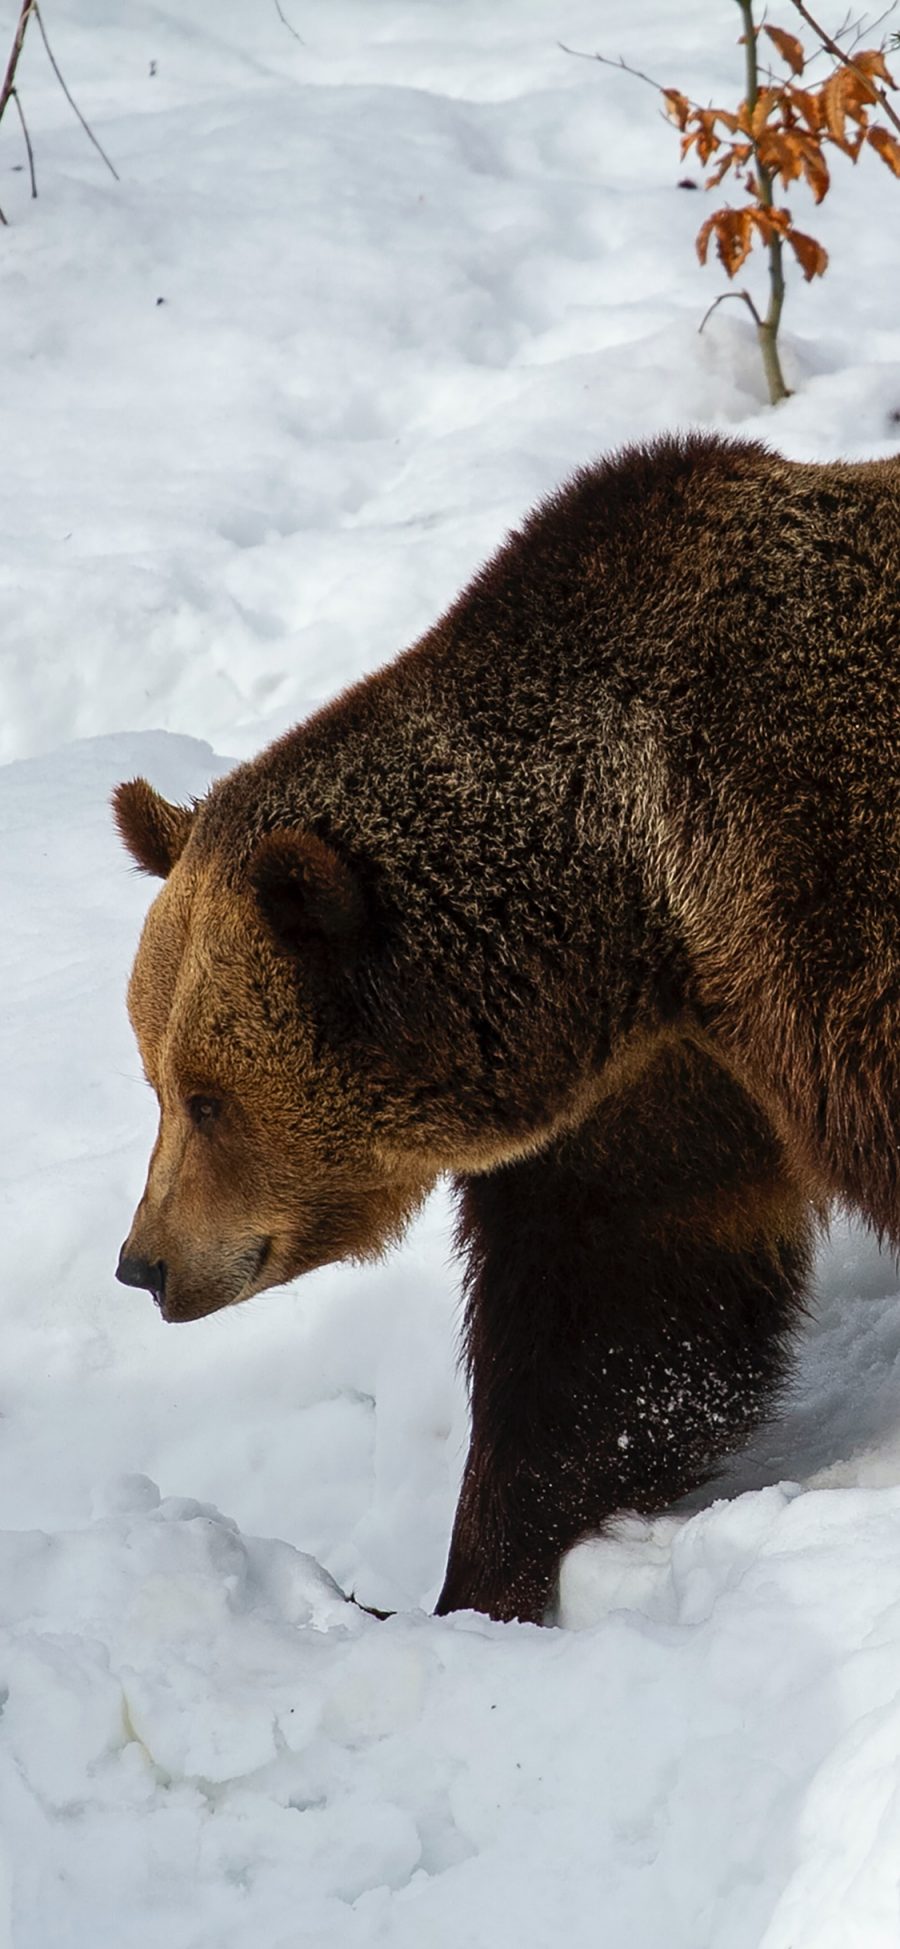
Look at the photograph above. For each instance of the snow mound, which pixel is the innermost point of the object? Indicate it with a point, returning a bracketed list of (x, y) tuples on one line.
[(196, 1725)]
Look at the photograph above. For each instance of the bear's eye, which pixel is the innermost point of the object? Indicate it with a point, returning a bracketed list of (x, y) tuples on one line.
[(203, 1111)]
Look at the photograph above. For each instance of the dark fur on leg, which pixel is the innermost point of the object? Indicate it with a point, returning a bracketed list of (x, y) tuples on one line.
[(631, 1292)]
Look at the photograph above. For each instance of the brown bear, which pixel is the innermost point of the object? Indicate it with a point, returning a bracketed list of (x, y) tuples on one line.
[(590, 900)]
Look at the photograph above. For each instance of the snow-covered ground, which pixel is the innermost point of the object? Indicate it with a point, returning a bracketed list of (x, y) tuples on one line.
[(355, 303)]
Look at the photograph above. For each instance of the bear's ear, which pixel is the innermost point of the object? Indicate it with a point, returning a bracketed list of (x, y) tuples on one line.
[(306, 892), (154, 831)]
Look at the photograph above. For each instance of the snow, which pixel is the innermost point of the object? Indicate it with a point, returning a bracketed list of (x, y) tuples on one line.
[(412, 271)]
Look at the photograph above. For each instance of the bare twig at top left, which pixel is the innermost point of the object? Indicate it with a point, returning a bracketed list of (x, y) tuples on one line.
[(9, 79), (9, 91)]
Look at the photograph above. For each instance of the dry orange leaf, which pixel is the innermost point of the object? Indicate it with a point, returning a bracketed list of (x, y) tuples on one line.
[(815, 168), (765, 101), (677, 105), (811, 256), (776, 219), (886, 146), (809, 106), (702, 239), (789, 48), (721, 169), (832, 98), (780, 155), (871, 61), (844, 96), (734, 240), (733, 231)]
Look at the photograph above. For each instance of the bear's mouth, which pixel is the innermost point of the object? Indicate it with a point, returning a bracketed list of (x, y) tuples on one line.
[(243, 1274)]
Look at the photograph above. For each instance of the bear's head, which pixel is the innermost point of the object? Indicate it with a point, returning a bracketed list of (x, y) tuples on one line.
[(275, 1151)]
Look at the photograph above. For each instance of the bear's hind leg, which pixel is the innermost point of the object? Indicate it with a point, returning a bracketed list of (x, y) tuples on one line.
[(630, 1295)]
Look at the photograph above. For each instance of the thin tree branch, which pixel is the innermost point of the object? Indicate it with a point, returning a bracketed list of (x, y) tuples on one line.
[(9, 79), (855, 29), (846, 61), (720, 300), (581, 54), (865, 26), (623, 67), (35, 9), (291, 30), (15, 96)]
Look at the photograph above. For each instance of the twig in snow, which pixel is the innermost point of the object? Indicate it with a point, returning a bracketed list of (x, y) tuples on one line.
[(720, 300), (624, 67), (30, 151), (35, 9), (9, 79), (291, 30), (605, 60)]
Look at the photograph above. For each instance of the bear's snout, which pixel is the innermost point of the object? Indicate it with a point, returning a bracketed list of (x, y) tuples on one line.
[(191, 1281)]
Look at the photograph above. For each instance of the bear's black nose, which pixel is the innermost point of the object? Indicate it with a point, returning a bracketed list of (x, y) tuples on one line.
[(140, 1272)]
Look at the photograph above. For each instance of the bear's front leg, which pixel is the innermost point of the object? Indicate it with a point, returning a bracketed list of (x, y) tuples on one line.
[(630, 1292)]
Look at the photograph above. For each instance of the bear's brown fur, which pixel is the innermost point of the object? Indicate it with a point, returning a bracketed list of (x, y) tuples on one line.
[(591, 901)]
